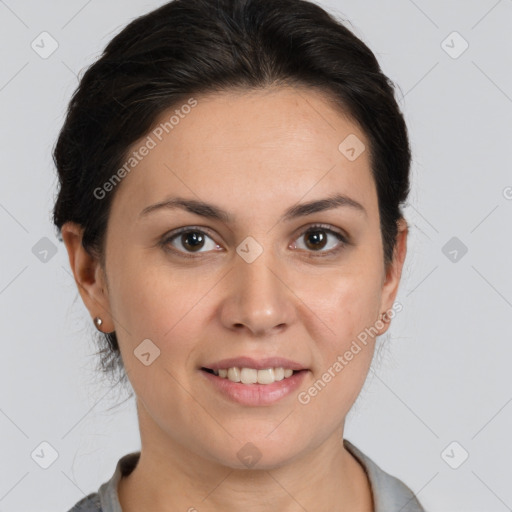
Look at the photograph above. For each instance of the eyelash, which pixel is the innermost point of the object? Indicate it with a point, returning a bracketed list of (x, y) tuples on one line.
[(313, 254)]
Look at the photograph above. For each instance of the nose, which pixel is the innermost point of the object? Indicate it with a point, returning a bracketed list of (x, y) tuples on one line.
[(259, 299)]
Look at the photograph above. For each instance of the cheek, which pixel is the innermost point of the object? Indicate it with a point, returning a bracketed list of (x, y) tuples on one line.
[(347, 304), (345, 350), (153, 300), (164, 307)]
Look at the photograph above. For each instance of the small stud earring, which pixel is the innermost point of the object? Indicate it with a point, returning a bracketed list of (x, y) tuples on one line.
[(97, 322)]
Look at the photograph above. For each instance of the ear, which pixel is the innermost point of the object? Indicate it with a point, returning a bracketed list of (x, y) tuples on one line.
[(89, 275), (394, 272)]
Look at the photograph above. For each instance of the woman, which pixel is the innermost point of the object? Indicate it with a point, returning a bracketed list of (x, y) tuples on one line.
[(231, 180)]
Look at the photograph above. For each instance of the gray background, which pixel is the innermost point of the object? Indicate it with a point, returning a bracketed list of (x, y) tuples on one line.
[(443, 373)]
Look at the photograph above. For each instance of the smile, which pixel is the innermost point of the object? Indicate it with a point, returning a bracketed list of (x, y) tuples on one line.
[(243, 386), (252, 375)]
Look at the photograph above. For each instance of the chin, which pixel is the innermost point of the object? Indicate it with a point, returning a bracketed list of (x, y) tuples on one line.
[(257, 453)]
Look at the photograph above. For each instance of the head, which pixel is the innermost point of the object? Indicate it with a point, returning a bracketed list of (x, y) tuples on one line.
[(255, 108)]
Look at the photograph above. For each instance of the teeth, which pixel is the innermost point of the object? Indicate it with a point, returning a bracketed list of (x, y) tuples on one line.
[(234, 374), (253, 376)]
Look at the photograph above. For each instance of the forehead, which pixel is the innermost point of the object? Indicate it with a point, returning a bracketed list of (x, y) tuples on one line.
[(286, 142), (268, 120)]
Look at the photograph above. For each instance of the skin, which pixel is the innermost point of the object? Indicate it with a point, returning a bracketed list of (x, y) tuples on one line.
[(254, 155)]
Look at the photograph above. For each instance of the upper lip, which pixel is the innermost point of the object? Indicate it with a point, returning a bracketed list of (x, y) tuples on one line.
[(258, 364)]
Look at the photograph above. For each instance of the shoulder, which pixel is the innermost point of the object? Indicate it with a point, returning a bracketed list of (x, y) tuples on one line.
[(389, 493), (91, 503), (106, 498)]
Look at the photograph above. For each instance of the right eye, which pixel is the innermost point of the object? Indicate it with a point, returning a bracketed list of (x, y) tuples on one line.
[(191, 240)]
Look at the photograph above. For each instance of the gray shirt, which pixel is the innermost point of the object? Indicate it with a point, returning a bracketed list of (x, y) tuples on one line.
[(389, 493)]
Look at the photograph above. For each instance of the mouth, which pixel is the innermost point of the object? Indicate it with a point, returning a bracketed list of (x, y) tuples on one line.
[(251, 376), (252, 387)]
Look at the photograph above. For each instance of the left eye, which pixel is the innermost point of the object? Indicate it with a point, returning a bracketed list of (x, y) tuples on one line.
[(317, 239)]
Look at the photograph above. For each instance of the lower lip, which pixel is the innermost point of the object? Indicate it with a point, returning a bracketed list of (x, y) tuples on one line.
[(256, 394)]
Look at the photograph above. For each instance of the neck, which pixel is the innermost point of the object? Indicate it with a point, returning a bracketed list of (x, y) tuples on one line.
[(169, 477)]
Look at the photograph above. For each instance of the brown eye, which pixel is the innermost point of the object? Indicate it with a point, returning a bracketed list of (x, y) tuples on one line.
[(189, 240), (192, 240), (318, 238)]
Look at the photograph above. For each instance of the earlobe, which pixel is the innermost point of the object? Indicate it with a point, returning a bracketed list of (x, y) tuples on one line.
[(89, 275)]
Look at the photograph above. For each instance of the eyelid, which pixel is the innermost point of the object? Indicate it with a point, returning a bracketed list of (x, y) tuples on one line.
[(326, 227)]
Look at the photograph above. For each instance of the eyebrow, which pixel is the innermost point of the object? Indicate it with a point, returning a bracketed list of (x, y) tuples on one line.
[(214, 212)]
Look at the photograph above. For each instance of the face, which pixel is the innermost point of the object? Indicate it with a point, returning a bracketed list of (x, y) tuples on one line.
[(262, 279)]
